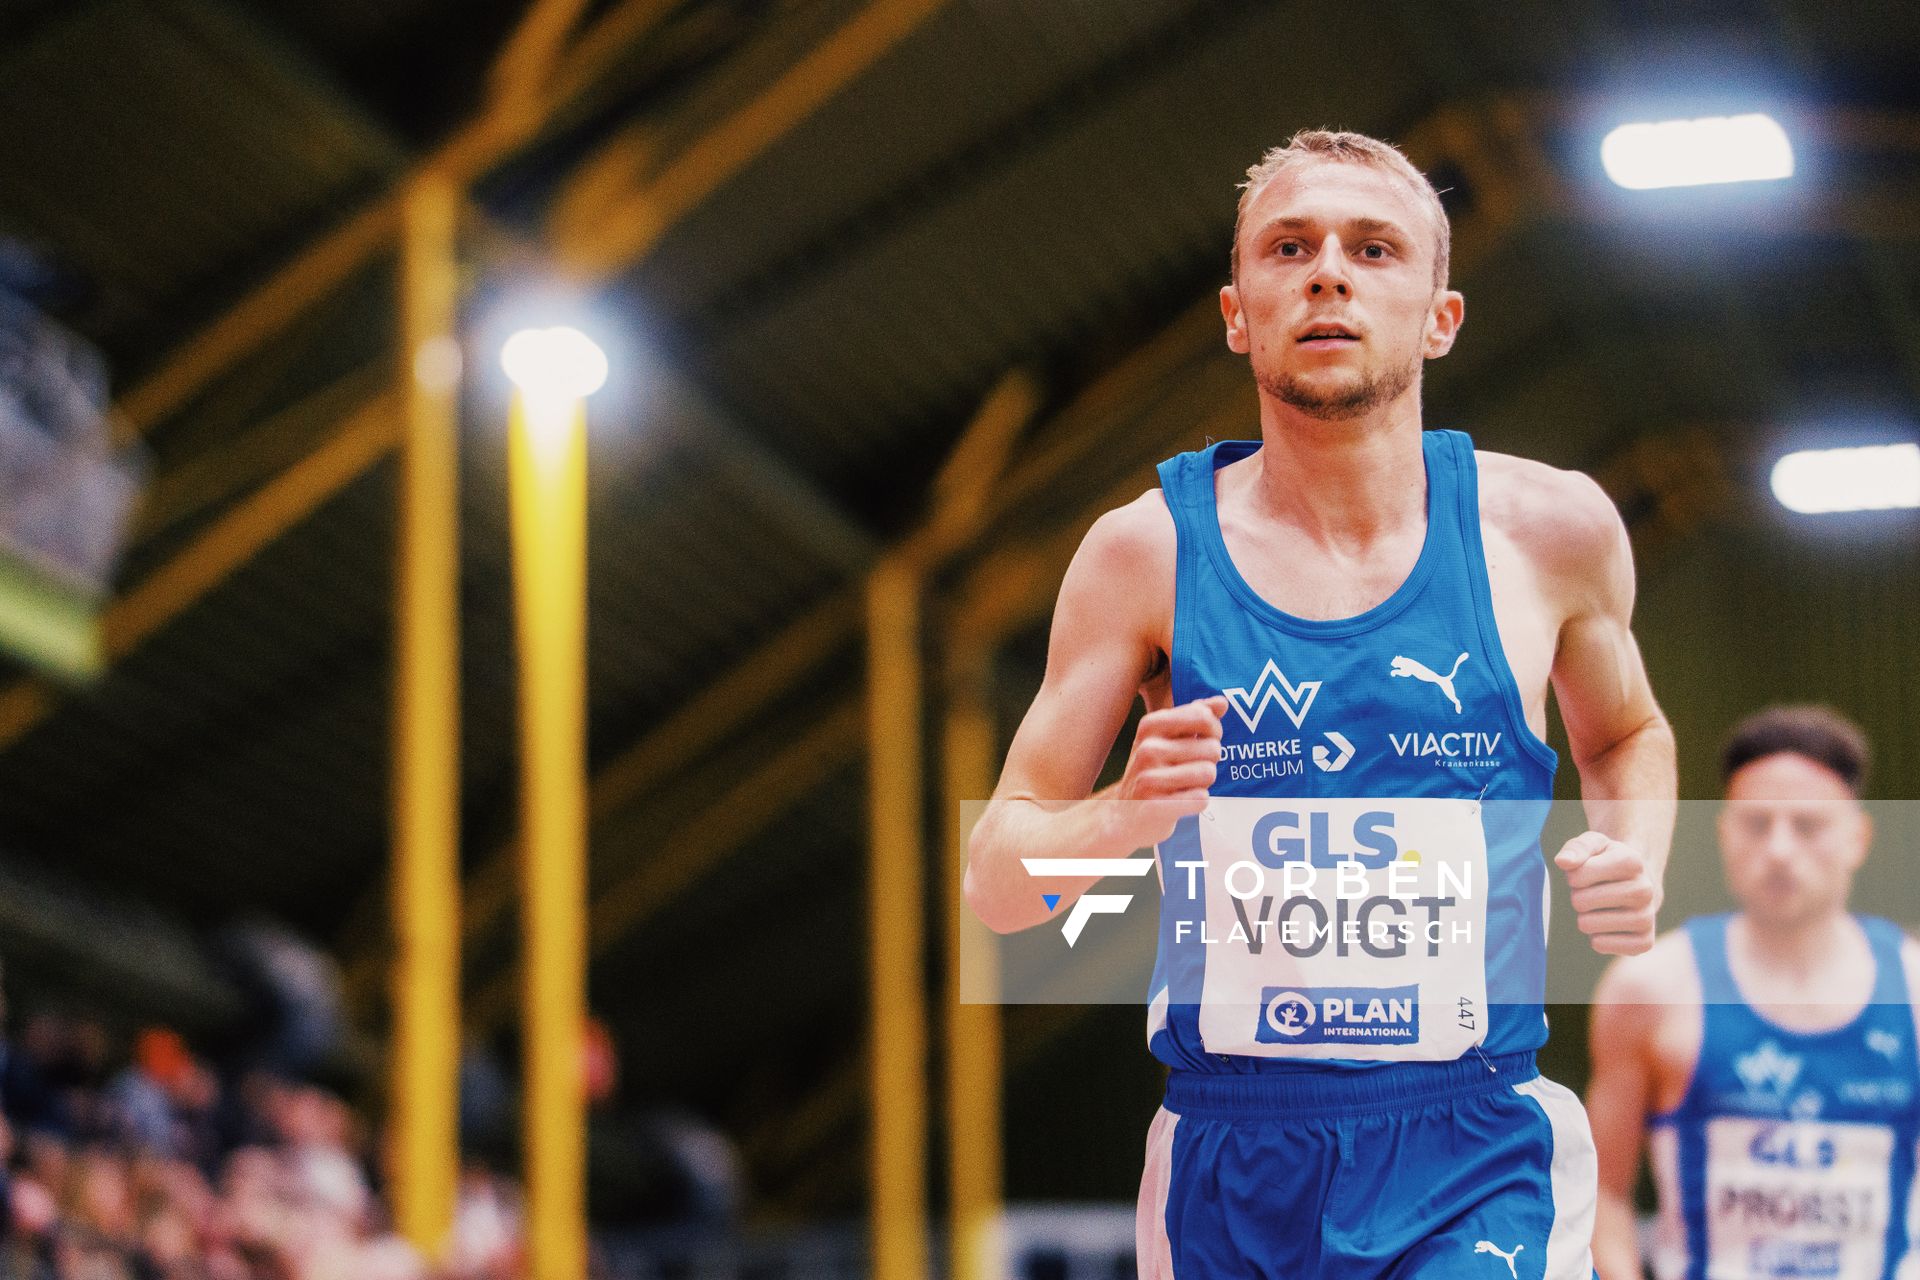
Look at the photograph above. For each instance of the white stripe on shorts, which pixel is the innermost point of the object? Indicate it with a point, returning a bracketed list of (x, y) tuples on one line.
[(1575, 1176)]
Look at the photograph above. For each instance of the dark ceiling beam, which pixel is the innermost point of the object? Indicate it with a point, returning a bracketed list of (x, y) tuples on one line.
[(740, 463), (258, 317), (331, 258), (631, 221), (196, 486), (229, 29), (524, 66), (23, 35), (732, 455), (950, 176)]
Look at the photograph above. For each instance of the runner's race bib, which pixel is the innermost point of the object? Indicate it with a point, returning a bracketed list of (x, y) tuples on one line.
[(1799, 1198), (1339, 928)]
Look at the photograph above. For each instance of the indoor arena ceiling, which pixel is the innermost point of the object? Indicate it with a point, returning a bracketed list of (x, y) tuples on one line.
[(907, 216)]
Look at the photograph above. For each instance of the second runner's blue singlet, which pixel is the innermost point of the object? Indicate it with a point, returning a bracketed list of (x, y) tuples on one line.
[(1792, 1153)]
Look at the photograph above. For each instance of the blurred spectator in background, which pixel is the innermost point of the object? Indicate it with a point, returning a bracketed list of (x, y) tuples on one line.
[(127, 1176), (143, 1160), (296, 1023)]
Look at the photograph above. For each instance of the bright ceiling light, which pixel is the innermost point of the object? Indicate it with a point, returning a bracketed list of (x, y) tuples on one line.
[(559, 362), (1868, 478), (1693, 153)]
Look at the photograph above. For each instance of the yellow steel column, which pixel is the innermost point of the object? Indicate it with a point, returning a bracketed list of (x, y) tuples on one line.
[(547, 478), (425, 1149), (894, 902), (973, 1030)]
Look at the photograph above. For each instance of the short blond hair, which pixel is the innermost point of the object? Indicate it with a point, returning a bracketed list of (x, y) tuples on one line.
[(1347, 148)]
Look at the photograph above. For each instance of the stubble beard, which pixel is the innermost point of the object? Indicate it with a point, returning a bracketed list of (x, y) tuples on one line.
[(1358, 398)]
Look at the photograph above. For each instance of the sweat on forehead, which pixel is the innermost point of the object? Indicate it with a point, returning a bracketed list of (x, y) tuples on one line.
[(1319, 146)]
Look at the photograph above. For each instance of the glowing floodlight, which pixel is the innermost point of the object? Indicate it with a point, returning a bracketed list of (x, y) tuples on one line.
[(1868, 478), (555, 363), (1693, 153)]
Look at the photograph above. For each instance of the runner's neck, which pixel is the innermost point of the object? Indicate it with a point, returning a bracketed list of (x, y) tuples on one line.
[(1368, 477), (1793, 957)]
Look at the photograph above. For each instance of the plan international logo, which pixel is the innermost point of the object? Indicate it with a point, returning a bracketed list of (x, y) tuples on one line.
[(1337, 1015)]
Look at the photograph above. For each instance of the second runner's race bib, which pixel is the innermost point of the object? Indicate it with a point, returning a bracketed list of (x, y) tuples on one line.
[(1798, 1198)]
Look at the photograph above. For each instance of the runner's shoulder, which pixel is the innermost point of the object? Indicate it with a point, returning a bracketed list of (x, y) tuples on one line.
[(1563, 520), (1642, 999), (1910, 963), (1135, 543), (1661, 975), (1544, 505)]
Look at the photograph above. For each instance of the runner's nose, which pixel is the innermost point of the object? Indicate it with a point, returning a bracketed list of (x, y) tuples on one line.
[(1330, 272), (1780, 844)]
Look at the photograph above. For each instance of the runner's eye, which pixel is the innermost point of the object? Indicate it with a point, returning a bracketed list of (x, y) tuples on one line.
[(1808, 826)]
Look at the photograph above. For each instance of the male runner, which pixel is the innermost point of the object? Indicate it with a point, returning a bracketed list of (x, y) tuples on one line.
[(1770, 1052), (1348, 1099)]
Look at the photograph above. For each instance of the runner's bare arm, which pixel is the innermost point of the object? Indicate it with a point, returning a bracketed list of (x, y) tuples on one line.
[(1620, 742), (1619, 1100), (1105, 643)]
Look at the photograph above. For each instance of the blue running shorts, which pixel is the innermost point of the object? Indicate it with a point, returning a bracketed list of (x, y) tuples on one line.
[(1479, 1168)]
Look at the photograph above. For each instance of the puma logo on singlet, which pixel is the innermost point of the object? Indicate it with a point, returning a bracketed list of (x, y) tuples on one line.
[(1419, 671), (1488, 1246)]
